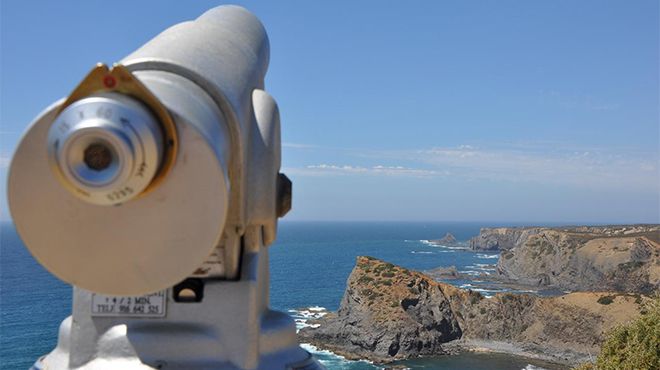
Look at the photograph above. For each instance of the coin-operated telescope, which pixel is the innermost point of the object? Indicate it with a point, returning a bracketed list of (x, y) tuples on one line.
[(154, 189)]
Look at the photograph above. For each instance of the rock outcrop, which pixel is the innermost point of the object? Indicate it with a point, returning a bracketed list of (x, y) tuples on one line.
[(390, 313), (501, 238), (447, 240), (621, 259)]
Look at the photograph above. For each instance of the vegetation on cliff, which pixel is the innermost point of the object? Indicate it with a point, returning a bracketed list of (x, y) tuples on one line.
[(633, 346)]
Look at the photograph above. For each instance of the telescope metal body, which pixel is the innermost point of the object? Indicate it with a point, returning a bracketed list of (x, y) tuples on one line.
[(154, 189)]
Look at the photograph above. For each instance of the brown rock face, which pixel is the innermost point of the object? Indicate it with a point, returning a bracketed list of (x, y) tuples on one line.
[(608, 258), (501, 238), (390, 313)]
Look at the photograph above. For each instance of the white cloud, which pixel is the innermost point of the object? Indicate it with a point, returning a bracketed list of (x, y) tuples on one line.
[(379, 170), (589, 168), (298, 146), (547, 163)]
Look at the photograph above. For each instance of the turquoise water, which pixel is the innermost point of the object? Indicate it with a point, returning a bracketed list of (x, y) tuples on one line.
[(310, 263)]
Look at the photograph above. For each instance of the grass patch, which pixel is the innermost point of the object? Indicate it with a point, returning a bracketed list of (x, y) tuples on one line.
[(632, 346)]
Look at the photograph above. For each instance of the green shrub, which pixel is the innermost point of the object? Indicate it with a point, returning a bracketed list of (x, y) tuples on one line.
[(607, 299), (630, 266), (632, 346), (365, 279)]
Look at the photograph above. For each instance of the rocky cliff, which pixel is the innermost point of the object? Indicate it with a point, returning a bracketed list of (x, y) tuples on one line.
[(608, 258), (389, 313), (501, 238)]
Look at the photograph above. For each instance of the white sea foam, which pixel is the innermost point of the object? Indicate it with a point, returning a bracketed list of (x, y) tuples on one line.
[(481, 290), (330, 359), (532, 367), (421, 252), (483, 268), (310, 312), (428, 242), (487, 256), (303, 324), (489, 265), (315, 350), (471, 272), (302, 316)]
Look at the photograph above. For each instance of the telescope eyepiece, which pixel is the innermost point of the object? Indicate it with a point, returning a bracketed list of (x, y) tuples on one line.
[(105, 149)]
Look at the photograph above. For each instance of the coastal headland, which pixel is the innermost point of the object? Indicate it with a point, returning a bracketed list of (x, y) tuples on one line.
[(390, 313)]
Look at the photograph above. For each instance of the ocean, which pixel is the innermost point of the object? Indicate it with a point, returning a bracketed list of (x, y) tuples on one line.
[(310, 263)]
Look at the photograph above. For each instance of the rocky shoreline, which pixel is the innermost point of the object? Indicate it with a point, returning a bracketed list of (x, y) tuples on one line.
[(390, 313)]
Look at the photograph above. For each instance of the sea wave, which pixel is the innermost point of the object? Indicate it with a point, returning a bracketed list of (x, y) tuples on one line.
[(532, 367), (471, 272), (421, 252), (302, 323), (317, 351), (483, 266), (487, 256), (314, 312), (332, 360), (301, 316)]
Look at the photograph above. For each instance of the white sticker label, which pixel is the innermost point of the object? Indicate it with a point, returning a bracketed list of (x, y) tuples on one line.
[(152, 305)]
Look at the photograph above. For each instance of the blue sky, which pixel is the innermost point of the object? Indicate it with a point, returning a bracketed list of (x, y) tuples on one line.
[(501, 111)]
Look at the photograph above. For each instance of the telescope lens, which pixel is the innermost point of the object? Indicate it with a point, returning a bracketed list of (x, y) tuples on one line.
[(98, 157), (107, 148)]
